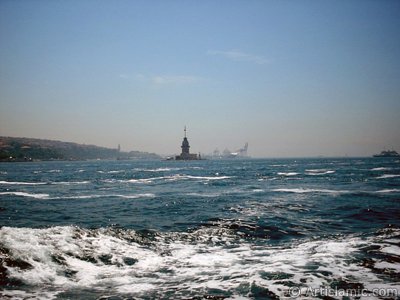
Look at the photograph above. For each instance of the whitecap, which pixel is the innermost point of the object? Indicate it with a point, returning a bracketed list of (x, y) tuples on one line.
[(319, 172), (162, 169), (95, 196), (388, 176), (380, 169), (21, 183), (389, 191), (206, 177), (142, 180), (303, 191), (157, 169), (70, 182), (287, 173), (111, 172), (29, 195), (207, 195), (135, 196), (169, 178)]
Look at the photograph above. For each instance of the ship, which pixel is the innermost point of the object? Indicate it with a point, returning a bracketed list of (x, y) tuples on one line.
[(387, 153), (226, 154)]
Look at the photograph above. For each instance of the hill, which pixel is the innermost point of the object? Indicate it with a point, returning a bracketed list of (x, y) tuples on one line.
[(28, 149)]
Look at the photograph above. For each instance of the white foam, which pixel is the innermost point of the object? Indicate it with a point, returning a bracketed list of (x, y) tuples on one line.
[(91, 196), (389, 191), (111, 172), (176, 261), (380, 169), (135, 196), (29, 195), (391, 250), (143, 180), (387, 265), (388, 176), (319, 172), (207, 177), (70, 182), (94, 196), (162, 169), (303, 191), (21, 183), (169, 178), (158, 169), (287, 173), (207, 195)]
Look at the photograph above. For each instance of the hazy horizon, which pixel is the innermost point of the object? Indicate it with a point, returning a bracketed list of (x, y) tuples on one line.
[(293, 79)]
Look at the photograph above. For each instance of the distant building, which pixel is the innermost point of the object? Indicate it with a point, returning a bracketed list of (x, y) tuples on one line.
[(186, 155)]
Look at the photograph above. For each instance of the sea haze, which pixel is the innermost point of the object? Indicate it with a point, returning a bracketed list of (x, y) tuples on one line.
[(234, 229)]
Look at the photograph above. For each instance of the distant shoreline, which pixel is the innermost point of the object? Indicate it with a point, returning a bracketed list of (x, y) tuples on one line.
[(14, 149)]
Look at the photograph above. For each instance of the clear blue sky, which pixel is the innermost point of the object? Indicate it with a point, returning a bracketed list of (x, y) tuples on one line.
[(292, 78)]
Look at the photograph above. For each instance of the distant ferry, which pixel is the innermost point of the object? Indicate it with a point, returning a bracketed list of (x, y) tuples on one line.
[(387, 153)]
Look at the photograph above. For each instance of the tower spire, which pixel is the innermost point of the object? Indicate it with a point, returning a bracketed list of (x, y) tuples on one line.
[(185, 130)]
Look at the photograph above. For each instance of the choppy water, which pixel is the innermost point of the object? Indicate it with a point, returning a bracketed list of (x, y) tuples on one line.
[(250, 229)]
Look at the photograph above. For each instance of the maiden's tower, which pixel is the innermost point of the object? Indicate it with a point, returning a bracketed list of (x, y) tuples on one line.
[(186, 155)]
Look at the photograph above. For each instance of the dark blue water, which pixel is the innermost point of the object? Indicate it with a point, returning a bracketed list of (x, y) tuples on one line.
[(235, 229)]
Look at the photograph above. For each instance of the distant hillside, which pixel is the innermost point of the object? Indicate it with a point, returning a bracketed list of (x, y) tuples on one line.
[(27, 149)]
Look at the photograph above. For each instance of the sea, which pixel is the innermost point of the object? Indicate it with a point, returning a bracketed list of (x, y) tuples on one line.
[(323, 228)]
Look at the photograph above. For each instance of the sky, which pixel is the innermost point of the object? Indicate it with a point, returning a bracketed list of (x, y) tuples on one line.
[(291, 78)]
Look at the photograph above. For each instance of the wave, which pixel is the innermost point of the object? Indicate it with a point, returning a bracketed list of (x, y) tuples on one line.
[(303, 191), (175, 177), (129, 263), (21, 183), (206, 195), (158, 169), (29, 195), (333, 192), (92, 196), (388, 176), (380, 169), (287, 173), (205, 177), (319, 172), (111, 172), (167, 169), (388, 191), (44, 183), (70, 182)]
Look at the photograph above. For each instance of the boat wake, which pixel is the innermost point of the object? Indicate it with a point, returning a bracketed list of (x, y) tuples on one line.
[(214, 260)]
